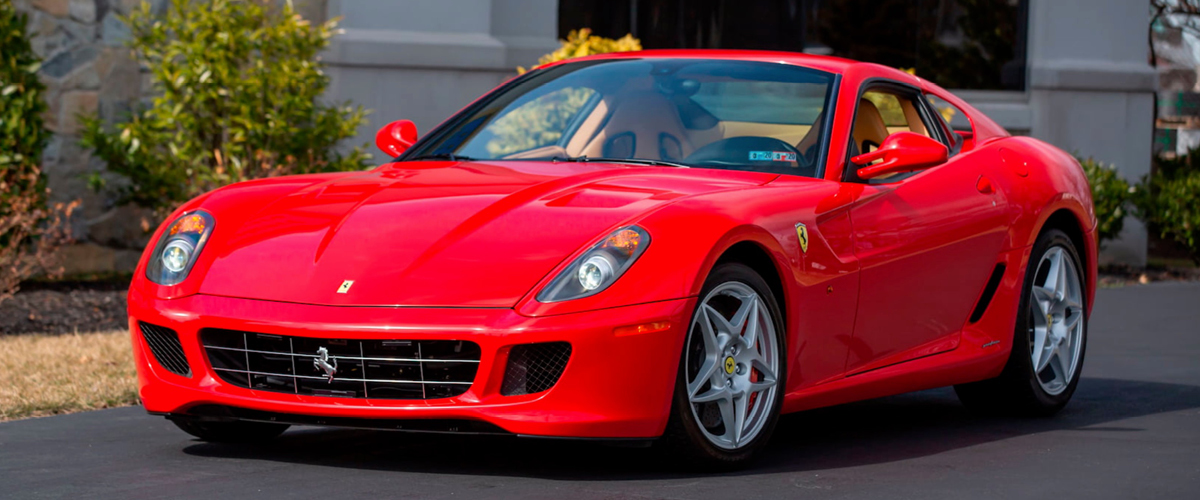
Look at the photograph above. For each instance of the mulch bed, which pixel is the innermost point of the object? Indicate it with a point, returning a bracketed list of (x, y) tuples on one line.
[(64, 308), (80, 307)]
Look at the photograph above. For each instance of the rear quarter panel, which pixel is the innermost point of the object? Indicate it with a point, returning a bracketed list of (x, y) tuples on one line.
[(1044, 180)]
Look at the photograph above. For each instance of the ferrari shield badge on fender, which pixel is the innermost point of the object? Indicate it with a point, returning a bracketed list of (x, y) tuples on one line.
[(345, 286), (802, 233)]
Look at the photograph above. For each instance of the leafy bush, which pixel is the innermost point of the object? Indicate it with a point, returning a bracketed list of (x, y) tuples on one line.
[(1169, 201), (237, 84), (22, 134), (1111, 196), (581, 43), (29, 232)]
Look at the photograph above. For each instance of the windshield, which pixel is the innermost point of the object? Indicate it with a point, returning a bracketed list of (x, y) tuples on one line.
[(708, 113)]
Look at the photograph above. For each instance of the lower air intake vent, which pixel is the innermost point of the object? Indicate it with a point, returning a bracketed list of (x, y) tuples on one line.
[(534, 368), (164, 344)]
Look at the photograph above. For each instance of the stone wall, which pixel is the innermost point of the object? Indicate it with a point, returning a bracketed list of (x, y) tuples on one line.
[(87, 68)]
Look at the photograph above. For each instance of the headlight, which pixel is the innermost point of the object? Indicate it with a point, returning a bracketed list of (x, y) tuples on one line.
[(599, 267), (178, 247)]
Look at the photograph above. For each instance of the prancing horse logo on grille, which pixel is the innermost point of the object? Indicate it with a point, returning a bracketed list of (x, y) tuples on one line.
[(325, 363)]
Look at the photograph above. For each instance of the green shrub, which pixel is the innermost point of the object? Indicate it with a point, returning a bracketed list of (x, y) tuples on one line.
[(1168, 201), (29, 231), (22, 133), (237, 85), (582, 42), (1111, 196)]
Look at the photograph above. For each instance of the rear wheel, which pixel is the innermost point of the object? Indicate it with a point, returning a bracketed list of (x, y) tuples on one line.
[(231, 432), (1051, 336), (729, 387)]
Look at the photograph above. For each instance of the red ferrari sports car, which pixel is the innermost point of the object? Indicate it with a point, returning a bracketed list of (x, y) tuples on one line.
[(671, 246)]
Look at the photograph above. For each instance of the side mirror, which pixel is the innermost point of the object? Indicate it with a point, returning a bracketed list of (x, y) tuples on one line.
[(901, 152), (394, 138)]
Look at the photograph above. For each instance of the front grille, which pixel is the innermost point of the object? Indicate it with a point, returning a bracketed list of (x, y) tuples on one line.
[(369, 368), (164, 345), (533, 368)]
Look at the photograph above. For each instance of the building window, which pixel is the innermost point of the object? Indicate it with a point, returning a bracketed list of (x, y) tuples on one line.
[(959, 44)]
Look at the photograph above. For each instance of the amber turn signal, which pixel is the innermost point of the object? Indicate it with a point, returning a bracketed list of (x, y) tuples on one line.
[(625, 241), (657, 326), (193, 224)]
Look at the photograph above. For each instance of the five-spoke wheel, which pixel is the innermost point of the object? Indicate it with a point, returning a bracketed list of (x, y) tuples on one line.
[(1050, 339), (729, 388), (1056, 330)]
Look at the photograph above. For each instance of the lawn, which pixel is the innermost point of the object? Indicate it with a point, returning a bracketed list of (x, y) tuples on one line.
[(52, 374)]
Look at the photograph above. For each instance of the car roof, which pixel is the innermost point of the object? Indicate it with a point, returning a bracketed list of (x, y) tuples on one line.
[(829, 64)]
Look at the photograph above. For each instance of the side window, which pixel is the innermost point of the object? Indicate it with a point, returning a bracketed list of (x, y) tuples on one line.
[(883, 111), (956, 123)]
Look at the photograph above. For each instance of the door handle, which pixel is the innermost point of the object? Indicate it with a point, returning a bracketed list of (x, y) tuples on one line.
[(984, 185)]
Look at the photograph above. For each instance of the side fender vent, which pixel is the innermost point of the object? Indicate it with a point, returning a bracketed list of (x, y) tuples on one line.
[(164, 344), (988, 292)]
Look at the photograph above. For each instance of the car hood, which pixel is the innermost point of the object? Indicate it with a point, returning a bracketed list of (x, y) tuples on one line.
[(450, 234)]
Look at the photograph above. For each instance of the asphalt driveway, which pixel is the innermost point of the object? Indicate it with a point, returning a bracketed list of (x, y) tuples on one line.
[(1132, 431)]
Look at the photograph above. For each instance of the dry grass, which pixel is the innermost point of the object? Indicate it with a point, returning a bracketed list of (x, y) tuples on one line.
[(52, 374)]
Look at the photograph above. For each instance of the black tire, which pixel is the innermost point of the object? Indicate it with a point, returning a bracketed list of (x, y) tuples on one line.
[(1017, 390), (231, 432), (683, 439)]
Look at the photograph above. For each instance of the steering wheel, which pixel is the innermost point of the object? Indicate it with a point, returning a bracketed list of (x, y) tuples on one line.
[(753, 153)]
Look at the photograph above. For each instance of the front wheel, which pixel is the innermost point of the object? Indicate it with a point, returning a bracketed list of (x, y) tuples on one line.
[(729, 387), (1051, 335)]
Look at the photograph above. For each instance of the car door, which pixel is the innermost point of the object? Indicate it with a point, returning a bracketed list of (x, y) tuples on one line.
[(927, 241)]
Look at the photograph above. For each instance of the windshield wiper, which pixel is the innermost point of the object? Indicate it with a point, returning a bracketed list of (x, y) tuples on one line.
[(441, 156), (634, 161)]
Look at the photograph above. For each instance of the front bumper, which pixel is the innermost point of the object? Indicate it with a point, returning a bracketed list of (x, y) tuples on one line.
[(615, 385)]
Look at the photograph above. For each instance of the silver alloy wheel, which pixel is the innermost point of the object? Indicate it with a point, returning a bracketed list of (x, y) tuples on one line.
[(731, 365), (1056, 309)]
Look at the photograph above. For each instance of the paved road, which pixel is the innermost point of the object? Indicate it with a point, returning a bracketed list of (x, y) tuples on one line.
[(1133, 430)]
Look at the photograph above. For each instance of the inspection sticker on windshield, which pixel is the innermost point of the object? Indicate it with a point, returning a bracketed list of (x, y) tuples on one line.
[(772, 156)]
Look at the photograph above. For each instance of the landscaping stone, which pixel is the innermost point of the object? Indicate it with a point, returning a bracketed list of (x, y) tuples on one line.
[(83, 11), (58, 8), (86, 69), (75, 103)]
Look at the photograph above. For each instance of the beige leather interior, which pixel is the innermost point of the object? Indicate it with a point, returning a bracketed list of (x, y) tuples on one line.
[(646, 124), (913, 117), (869, 129), (791, 134), (810, 136), (642, 125), (588, 129)]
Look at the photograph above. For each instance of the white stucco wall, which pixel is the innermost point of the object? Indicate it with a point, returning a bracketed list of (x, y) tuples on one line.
[(1090, 90), (423, 60)]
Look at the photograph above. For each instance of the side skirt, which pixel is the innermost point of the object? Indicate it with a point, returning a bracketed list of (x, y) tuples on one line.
[(981, 353)]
